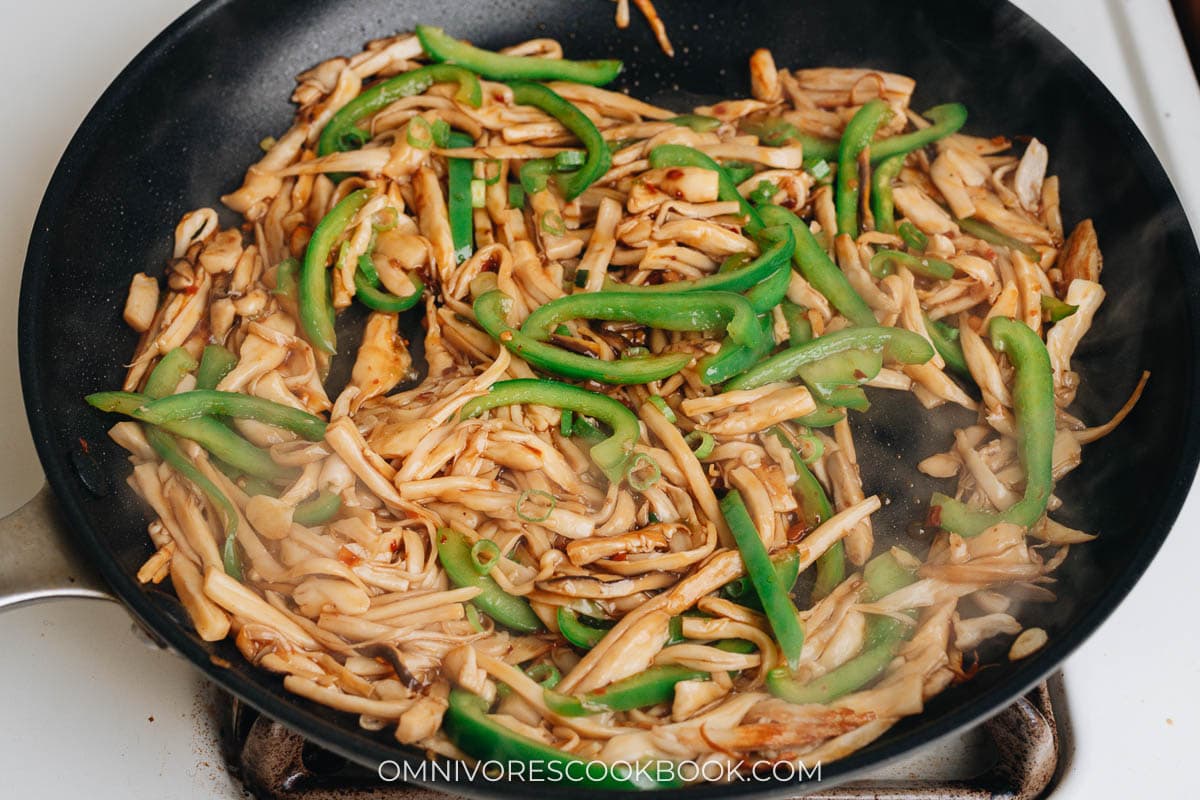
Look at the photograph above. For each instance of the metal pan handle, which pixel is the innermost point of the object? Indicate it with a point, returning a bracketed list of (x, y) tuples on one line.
[(38, 560)]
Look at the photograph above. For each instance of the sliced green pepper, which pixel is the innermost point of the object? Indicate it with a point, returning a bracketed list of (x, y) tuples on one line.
[(799, 326), (211, 403), (1035, 411), (317, 511), (945, 341), (473, 731), (778, 132), (817, 268), (834, 381), (882, 206), (649, 687), (342, 131), (697, 122), (598, 159), (787, 568), (316, 307), (460, 173), (500, 67), (491, 311), (815, 509), (913, 236), (213, 435), (1056, 310), (508, 610), (883, 575), (733, 359), (377, 299), (981, 230), (776, 246), (611, 455), (882, 264), (895, 344), (856, 138), (162, 381), (576, 632), (678, 155), (947, 118), (215, 364), (777, 605)]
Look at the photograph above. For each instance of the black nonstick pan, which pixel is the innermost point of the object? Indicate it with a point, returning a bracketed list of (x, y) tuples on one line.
[(179, 126)]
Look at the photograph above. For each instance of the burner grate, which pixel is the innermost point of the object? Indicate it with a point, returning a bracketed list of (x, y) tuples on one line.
[(1013, 756)]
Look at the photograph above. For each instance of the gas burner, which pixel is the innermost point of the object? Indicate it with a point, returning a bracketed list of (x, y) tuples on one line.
[(1016, 755)]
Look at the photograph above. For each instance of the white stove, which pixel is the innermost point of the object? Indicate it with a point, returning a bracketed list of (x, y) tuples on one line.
[(89, 708)]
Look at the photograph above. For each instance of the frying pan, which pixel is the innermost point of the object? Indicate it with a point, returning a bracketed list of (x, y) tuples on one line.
[(179, 126)]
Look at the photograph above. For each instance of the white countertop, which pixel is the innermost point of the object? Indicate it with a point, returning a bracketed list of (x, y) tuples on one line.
[(89, 709)]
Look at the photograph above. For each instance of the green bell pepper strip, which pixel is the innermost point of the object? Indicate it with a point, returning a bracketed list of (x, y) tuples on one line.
[(884, 261), (316, 308), (168, 372), (213, 435), (162, 381), (855, 138), (678, 155), (1034, 408), (981, 230), (883, 575), (777, 605), (377, 299), (824, 417), (211, 403), (649, 687), (287, 276), (733, 359), (215, 363), (815, 509), (598, 159), (739, 171), (460, 173), (665, 311), (611, 455), (787, 568), (763, 193), (535, 174), (945, 341), (500, 67), (799, 326), (947, 119), (317, 511), (1056, 310), (818, 269), (697, 122), (477, 734), (834, 380), (342, 131), (882, 206), (576, 632), (895, 344), (778, 132), (913, 236), (491, 312), (772, 291), (776, 246), (508, 610)]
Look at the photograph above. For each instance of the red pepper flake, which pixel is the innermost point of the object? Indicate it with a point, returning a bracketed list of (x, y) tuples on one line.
[(191, 288), (506, 336), (348, 557), (934, 518), (619, 557), (674, 174), (84, 446), (860, 375), (394, 546)]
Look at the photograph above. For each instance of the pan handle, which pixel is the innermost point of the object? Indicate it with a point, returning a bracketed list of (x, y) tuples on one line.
[(38, 560)]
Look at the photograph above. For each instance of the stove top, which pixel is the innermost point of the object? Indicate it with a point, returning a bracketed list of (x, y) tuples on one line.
[(1016, 755)]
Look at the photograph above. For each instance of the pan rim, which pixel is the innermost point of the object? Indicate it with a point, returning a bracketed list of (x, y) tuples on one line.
[(1180, 240)]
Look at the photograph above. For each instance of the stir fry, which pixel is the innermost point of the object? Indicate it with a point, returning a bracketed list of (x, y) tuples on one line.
[(615, 511)]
